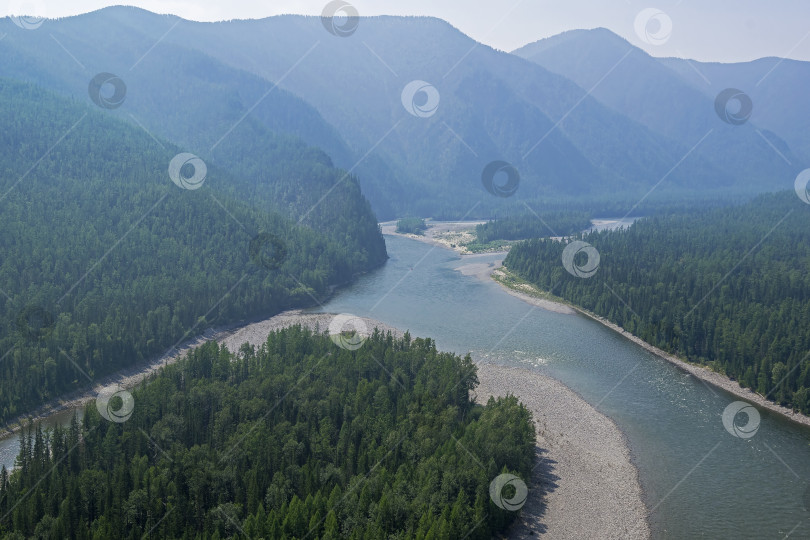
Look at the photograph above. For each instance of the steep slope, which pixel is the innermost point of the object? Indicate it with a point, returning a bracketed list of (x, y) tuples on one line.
[(174, 91), (776, 86), (492, 106), (648, 91), (568, 147), (105, 261)]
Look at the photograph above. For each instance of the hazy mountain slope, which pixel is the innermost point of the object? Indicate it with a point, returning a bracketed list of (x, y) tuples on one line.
[(189, 82), (171, 90), (646, 90), (105, 261), (565, 144), (777, 88), (499, 105)]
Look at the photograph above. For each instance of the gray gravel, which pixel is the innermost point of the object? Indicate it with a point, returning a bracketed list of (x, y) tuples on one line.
[(584, 484)]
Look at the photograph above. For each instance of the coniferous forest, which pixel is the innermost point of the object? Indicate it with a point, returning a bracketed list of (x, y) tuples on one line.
[(520, 227), (295, 439), (729, 288), (107, 263)]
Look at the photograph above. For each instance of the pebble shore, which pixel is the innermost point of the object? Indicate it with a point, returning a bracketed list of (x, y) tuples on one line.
[(584, 484), (591, 486)]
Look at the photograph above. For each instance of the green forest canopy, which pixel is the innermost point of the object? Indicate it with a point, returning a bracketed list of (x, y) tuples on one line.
[(729, 288), (295, 439), (411, 225), (119, 264)]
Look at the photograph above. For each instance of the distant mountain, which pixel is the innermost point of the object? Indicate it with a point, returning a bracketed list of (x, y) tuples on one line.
[(777, 86), (566, 145), (172, 91), (191, 82), (643, 125), (675, 103)]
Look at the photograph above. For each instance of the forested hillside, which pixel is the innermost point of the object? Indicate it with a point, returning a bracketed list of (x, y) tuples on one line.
[(729, 288), (295, 439), (106, 262), (289, 75)]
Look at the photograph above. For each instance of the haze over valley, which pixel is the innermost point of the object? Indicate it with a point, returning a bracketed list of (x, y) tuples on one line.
[(358, 272)]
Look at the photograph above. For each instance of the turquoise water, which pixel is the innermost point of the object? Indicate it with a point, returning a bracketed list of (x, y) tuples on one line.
[(699, 480)]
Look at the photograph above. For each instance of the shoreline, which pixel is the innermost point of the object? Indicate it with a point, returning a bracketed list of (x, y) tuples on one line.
[(701, 372), (577, 480), (590, 486), (543, 300), (565, 452), (232, 336), (445, 234)]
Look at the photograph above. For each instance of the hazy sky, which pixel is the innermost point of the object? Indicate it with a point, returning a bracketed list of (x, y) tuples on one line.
[(718, 30)]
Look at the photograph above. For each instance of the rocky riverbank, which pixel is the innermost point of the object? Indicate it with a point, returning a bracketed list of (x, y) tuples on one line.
[(532, 295), (584, 484)]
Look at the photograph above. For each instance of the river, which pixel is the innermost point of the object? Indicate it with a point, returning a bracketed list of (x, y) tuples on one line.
[(699, 480)]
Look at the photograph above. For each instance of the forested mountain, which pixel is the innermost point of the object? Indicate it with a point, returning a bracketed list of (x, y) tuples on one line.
[(382, 442), (678, 107), (775, 86), (106, 262), (728, 288), (568, 147), (176, 92)]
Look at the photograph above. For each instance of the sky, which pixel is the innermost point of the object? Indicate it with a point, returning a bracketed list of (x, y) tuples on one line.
[(706, 30)]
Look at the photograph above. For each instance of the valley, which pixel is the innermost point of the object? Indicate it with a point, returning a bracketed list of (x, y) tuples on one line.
[(404, 271)]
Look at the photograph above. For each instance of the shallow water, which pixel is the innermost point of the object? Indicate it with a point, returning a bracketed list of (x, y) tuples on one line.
[(699, 480)]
